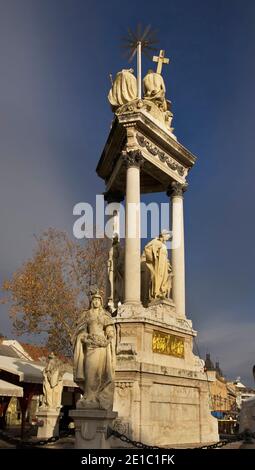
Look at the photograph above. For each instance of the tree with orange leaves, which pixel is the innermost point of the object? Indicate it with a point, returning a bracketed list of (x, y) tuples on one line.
[(50, 291)]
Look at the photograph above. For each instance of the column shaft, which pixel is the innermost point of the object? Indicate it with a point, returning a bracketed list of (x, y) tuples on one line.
[(178, 254), (132, 231)]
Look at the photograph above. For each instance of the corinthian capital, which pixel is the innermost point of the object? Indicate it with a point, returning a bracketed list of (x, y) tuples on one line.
[(177, 189), (133, 158)]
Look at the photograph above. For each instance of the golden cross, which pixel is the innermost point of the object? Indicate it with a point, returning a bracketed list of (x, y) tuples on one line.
[(160, 60)]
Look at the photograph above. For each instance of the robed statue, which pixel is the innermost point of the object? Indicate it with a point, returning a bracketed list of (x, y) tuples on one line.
[(124, 89), (155, 91), (52, 383), (94, 356), (116, 272), (155, 257)]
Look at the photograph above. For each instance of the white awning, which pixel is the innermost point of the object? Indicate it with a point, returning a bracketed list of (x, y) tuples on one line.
[(30, 372), (10, 390)]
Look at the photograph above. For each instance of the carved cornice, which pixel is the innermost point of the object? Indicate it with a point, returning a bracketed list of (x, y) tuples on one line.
[(133, 158), (113, 196), (163, 157), (177, 189), (122, 384), (134, 106)]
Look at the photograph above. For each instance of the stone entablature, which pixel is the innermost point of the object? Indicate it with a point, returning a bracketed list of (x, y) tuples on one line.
[(165, 159), (161, 156)]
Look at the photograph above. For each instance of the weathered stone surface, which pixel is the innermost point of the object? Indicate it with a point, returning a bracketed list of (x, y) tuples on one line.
[(247, 415), (91, 428), (161, 399), (49, 420)]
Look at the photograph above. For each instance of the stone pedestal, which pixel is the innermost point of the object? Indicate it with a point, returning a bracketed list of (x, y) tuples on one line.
[(247, 415), (50, 420), (161, 389), (91, 428)]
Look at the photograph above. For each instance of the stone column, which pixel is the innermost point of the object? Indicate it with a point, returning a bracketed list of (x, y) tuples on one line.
[(178, 255), (133, 160)]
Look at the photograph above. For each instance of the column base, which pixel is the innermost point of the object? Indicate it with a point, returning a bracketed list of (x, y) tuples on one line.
[(167, 302), (91, 428), (132, 302)]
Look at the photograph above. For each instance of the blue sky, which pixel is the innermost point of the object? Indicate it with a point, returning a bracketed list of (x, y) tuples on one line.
[(56, 57)]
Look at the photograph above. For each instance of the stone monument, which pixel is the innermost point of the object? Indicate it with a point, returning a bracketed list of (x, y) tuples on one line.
[(49, 411), (247, 413), (94, 366), (161, 389)]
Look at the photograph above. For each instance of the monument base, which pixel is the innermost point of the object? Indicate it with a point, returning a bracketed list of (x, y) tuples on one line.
[(161, 390), (91, 428), (50, 423), (247, 415)]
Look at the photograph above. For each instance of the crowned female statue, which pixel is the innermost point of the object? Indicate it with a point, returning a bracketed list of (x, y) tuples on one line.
[(94, 356)]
